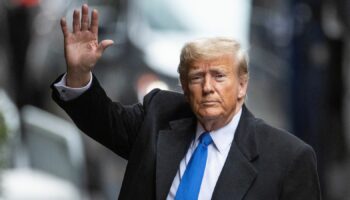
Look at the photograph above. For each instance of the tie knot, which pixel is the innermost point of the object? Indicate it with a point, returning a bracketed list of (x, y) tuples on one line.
[(205, 139)]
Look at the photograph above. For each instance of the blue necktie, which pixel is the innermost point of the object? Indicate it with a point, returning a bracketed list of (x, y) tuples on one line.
[(192, 179)]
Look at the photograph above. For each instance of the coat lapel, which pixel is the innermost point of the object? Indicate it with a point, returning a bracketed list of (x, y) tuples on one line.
[(238, 173), (172, 146)]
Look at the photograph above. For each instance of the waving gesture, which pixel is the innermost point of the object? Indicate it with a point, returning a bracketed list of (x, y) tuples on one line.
[(81, 47)]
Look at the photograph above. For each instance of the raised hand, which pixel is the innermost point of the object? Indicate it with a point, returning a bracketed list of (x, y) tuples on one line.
[(81, 46)]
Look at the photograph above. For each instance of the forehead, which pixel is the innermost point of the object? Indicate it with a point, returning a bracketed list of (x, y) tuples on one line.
[(223, 62)]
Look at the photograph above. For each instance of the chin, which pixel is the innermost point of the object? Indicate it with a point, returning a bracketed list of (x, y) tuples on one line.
[(210, 116)]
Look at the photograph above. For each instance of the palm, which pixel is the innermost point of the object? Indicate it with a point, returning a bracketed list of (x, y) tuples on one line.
[(81, 50), (81, 46)]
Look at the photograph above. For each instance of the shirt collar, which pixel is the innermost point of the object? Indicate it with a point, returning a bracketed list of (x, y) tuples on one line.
[(222, 138)]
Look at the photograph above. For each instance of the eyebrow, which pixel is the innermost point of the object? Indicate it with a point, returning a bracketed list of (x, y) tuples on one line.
[(213, 69), (195, 73)]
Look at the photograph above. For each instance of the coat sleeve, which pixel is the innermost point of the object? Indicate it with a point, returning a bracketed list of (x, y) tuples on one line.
[(301, 181), (110, 123)]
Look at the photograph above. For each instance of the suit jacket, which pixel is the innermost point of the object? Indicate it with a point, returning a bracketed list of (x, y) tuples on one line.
[(264, 163)]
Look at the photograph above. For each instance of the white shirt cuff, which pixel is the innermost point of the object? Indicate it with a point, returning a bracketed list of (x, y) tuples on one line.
[(69, 93)]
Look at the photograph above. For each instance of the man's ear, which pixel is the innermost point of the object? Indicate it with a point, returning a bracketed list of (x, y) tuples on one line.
[(243, 86)]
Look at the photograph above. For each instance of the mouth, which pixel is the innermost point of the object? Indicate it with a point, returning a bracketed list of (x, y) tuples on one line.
[(209, 103)]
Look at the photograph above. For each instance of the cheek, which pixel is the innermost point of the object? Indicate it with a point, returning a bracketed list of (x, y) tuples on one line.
[(193, 98), (194, 92), (229, 95)]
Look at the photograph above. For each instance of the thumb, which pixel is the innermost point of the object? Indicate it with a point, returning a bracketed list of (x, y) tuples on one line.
[(103, 45)]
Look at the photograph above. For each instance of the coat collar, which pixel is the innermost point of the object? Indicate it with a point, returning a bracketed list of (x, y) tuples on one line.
[(238, 172), (245, 134), (172, 146)]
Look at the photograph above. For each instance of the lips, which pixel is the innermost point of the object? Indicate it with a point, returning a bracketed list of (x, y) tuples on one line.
[(209, 102)]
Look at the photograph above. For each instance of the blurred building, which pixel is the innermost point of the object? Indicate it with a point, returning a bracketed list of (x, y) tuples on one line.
[(298, 68)]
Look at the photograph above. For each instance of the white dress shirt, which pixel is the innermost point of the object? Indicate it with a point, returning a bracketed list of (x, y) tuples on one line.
[(69, 93), (217, 151), (217, 154)]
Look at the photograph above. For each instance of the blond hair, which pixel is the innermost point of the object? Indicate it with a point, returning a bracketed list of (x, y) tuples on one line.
[(212, 48)]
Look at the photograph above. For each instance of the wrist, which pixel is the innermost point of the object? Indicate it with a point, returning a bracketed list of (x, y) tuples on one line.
[(77, 80)]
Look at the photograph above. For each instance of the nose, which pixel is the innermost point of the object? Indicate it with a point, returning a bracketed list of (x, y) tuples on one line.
[(207, 85)]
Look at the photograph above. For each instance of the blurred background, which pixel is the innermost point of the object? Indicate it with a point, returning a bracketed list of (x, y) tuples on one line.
[(298, 67)]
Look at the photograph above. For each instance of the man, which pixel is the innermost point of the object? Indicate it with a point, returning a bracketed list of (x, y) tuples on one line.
[(204, 144)]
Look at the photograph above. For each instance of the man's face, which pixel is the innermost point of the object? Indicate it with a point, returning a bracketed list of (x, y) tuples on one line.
[(214, 89)]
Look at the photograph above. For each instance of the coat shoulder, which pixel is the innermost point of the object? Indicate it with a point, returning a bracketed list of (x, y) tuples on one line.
[(278, 140), (166, 105)]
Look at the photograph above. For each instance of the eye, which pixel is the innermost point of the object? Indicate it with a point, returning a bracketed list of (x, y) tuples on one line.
[(196, 79), (219, 76)]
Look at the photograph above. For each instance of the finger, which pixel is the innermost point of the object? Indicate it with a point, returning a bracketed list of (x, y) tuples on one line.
[(94, 22), (76, 21), (103, 45), (84, 17), (64, 27)]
